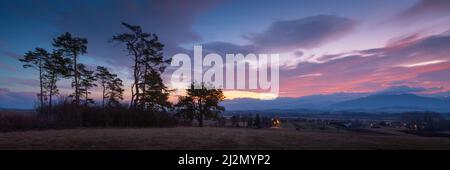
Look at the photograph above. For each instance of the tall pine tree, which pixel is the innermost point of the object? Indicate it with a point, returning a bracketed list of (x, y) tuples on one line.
[(87, 81), (36, 59), (72, 47), (148, 90), (103, 77), (115, 92), (112, 91), (55, 67)]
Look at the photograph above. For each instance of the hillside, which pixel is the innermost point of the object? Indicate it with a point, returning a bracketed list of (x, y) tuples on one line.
[(345, 102), (307, 102)]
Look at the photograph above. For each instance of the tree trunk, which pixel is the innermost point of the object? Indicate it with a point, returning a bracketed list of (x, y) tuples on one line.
[(136, 82), (41, 86), (103, 96), (77, 95), (200, 112), (87, 97), (144, 84), (132, 97), (135, 95), (50, 99)]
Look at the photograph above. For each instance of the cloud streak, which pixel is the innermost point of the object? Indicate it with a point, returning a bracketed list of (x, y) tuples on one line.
[(425, 9), (304, 33), (289, 35), (422, 62)]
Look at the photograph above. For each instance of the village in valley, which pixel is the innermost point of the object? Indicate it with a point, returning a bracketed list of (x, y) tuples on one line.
[(419, 123)]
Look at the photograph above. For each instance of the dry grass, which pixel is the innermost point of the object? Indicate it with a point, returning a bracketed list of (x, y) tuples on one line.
[(211, 138)]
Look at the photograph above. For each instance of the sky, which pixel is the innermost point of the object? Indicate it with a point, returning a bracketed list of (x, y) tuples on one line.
[(325, 46)]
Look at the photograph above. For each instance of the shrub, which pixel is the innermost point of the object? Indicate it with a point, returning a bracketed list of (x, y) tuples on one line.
[(66, 115)]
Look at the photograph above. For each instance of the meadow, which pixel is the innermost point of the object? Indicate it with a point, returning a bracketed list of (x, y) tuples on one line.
[(184, 138)]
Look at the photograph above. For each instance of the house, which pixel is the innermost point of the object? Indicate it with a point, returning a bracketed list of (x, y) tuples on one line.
[(276, 122)]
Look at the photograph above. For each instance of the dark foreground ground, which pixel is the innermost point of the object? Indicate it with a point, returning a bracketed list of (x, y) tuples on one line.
[(213, 138)]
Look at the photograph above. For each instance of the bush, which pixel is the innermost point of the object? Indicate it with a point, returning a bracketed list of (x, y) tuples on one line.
[(65, 115), (10, 121), (68, 115)]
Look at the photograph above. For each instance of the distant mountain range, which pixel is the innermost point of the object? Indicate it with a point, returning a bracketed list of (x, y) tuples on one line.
[(393, 103), (360, 102), (308, 102)]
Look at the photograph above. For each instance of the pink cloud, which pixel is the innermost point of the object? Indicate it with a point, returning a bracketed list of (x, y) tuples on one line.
[(426, 8), (380, 69)]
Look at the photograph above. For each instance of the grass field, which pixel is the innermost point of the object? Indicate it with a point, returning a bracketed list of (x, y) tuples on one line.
[(213, 138)]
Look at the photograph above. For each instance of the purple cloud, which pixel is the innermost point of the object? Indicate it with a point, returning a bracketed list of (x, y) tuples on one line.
[(288, 35), (436, 76), (427, 8), (21, 81), (302, 33), (435, 47), (225, 47), (171, 20), (421, 62), (10, 54)]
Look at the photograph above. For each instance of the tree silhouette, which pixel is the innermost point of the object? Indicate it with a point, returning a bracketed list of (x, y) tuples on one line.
[(103, 77), (55, 67), (201, 102), (72, 47), (135, 45), (148, 61), (156, 95), (87, 80), (257, 122), (112, 90), (249, 121), (116, 92), (36, 59)]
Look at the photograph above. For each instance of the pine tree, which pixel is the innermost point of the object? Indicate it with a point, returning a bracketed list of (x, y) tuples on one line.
[(156, 95), (103, 77), (112, 91), (148, 62), (55, 67), (200, 103), (87, 80), (116, 92), (36, 59), (135, 45), (72, 47)]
